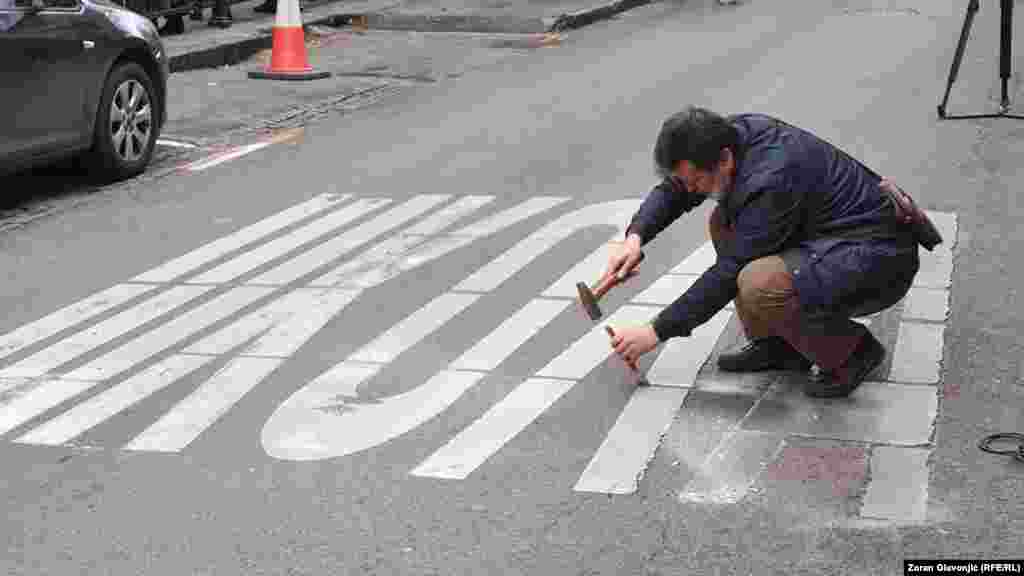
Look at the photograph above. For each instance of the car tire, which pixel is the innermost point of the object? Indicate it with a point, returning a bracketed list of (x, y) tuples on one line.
[(123, 138)]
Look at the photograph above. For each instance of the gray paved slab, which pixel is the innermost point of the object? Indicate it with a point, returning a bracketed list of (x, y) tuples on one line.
[(899, 485), (877, 412)]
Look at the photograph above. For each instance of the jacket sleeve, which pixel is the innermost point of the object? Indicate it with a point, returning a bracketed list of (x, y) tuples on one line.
[(664, 205), (765, 224)]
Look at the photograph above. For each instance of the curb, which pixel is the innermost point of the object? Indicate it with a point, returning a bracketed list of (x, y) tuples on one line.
[(589, 16), (234, 52)]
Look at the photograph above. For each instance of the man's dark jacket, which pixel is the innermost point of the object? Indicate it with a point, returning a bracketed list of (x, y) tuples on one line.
[(794, 195)]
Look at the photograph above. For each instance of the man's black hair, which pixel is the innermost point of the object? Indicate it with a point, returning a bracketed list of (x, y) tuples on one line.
[(695, 134)]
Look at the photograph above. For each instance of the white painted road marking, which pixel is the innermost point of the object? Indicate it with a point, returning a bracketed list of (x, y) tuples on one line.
[(681, 359), (326, 418), (474, 445), (159, 339), (209, 252), (630, 444), (265, 253), (414, 328), (187, 420), (45, 361), (219, 159), (320, 255), (288, 421), (112, 401), (494, 348), (69, 316)]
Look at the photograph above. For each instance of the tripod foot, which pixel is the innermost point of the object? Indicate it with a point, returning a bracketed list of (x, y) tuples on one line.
[(942, 111)]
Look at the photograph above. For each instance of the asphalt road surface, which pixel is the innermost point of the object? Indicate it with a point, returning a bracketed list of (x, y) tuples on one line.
[(354, 349)]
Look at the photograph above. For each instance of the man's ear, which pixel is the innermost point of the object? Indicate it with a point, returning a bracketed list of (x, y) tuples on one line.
[(726, 160)]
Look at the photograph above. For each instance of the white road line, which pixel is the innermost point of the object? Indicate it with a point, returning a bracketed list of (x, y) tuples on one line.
[(898, 490), (280, 246), (936, 269), (175, 143), (366, 424), (201, 409), (666, 290), (66, 350), (286, 337), (527, 250), (483, 438), (594, 347), (209, 252), (297, 322), (254, 324), (167, 335), (699, 261), (317, 256), (499, 270), (298, 416), (619, 463), (502, 220), (402, 336), (447, 216), (494, 348), (681, 359), (926, 304), (37, 397), (918, 355), (360, 274), (588, 271), (110, 402), (71, 315), (226, 157)]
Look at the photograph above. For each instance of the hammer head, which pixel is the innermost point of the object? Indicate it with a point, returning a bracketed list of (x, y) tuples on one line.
[(589, 301)]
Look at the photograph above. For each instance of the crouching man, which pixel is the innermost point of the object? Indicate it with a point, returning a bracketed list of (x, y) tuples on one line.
[(806, 239)]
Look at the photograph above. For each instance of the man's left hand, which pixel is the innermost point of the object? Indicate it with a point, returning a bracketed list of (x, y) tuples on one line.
[(632, 342)]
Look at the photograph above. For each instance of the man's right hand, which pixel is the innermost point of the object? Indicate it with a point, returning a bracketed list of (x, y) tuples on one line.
[(624, 257)]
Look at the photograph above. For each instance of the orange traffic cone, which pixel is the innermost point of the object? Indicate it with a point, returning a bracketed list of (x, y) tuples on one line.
[(288, 56)]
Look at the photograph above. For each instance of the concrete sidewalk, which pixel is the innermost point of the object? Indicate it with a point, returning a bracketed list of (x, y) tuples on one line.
[(202, 46)]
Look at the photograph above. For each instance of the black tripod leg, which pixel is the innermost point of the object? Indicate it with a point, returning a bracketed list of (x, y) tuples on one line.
[(972, 9), (1004, 49)]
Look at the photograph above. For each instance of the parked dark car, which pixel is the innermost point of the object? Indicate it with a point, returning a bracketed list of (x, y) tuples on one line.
[(79, 76)]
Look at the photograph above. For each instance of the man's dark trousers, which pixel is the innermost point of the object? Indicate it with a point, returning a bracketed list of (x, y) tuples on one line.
[(862, 277)]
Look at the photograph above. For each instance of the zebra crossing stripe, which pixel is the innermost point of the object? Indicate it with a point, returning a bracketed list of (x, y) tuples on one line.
[(287, 423), (209, 252), (487, 435), (71, 315), (397, 255), (310, 260), (415, 327), (493, 349), (113, 401), (621, 459), (483, 438), (46, 360), (169, 334), (278, 247), (290, 323), (189, 418)]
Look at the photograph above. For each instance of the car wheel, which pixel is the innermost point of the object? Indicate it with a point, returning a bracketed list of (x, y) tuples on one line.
[(126, 124)]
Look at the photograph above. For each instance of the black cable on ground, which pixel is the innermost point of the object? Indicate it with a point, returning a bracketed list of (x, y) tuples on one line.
[(1018, 453)]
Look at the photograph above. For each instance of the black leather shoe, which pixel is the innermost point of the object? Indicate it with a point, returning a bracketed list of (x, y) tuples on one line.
[(772, 353), (839, 383)]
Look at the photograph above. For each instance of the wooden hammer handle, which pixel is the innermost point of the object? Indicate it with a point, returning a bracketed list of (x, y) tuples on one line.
[(609, 282)]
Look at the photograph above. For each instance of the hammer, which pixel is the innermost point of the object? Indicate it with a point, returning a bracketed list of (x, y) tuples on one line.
[(589, 297)]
